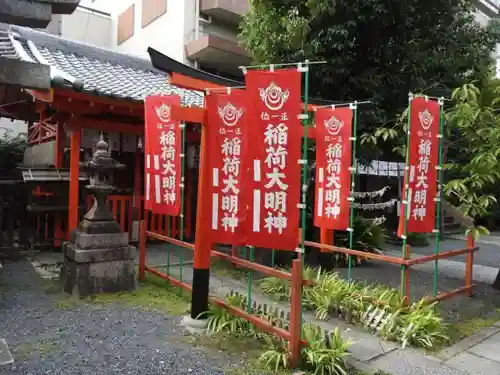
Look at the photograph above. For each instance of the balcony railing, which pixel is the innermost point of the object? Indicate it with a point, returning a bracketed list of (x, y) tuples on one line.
[(229, 11)]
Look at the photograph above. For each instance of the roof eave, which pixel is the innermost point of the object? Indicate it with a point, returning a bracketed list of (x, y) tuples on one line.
[(169, 65)]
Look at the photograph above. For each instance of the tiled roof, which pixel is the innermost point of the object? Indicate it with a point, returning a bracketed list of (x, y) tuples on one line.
[(90, 69), (6, 47)]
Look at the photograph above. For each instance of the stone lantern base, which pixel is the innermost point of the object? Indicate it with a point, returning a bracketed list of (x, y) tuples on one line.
[(98, 262)]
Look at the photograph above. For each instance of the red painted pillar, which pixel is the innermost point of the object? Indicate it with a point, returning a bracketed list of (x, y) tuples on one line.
[(326, 236), (142, 248), (59, 146), (469, 266), (74, 175), (202, 245)]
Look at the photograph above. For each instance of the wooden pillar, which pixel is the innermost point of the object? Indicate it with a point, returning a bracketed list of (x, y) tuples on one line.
[(74, 176), (469, 265), (202, 244), (326, 236), (135, 213), (59, 146)]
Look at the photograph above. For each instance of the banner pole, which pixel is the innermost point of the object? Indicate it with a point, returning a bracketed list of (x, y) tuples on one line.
[(439, 168), (183, 190), (305, 123), (354, 107), (404, 249)]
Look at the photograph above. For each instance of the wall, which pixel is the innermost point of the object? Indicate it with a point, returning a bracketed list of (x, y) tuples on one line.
[(15, 125), (54, 27), (164, 34), (87, 27), (102, 5)]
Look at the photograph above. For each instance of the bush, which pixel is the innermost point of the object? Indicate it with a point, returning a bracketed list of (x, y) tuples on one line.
[(417, 325), (326, 353), (11, 152)]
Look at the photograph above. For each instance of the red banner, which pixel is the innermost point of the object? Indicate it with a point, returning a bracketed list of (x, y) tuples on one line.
[(333, 160), (162, 151), (422, 174), (276, 135), (227, 143)]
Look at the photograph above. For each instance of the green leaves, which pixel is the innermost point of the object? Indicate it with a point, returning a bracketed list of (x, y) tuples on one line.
[(375, 49), (477, 232), (477, 169), (422, 326), (277, 356), (325, 354)]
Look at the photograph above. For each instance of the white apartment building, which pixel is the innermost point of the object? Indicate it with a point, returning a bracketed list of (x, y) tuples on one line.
[(199, 33)]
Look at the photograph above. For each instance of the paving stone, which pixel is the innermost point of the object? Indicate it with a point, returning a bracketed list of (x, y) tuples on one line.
[(408, 362), (488, 348), (468, 342), (474, 364)]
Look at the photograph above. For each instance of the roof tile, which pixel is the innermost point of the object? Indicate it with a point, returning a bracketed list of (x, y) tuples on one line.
[(102, 72)]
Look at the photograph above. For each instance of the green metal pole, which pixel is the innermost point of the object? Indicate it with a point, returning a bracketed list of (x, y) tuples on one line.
[(406, 189), (354, 107), (305, 123), (273, 258), (437, 230), (183, 169)]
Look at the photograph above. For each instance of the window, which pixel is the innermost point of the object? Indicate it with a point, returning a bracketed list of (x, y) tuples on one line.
[(152, 9), (125, 27)]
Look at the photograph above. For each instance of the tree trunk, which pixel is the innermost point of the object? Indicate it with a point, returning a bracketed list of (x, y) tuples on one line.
[(496, 283)]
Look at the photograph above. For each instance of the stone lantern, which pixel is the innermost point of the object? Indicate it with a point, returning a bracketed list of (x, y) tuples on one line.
[(98, 257)]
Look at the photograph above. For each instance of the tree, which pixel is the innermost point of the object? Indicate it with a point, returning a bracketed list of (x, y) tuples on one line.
[(375, 49), (12, 149)]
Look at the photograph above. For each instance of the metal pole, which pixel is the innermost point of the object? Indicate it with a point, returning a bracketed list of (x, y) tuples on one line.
[(406, 212), (305, 123), (354, 107), (183, 190), (439, 168)]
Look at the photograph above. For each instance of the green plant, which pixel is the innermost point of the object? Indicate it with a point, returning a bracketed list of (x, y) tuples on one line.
[(422, 326), (417, 239), (325, 354), (367, 235), (12, 149), (221, 320), (276, 356), (326, 294), (276, 288), (311, 273)]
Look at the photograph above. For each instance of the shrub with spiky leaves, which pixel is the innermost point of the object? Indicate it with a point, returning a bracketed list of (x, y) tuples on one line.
[(325, 354), (276, 288), (422, 326), (276, 356)]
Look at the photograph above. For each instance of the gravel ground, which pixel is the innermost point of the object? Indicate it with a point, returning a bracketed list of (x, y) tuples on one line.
[(47, 338)]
